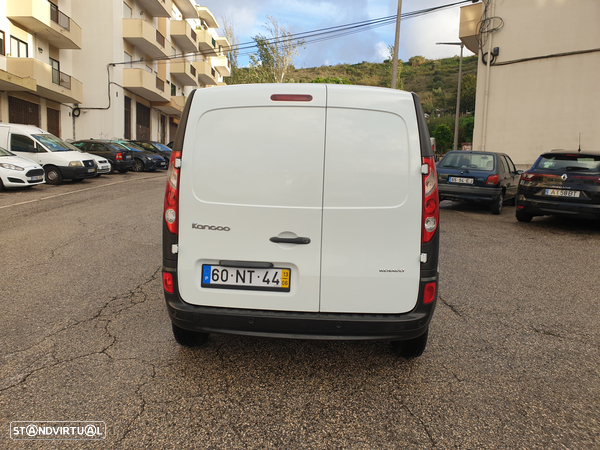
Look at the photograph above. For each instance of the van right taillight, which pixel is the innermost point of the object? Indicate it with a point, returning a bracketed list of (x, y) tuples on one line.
[(431, 202), (171, 212)]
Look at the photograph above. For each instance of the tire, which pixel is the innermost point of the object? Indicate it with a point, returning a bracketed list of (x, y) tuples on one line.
[(523, 216), (412, 348), (138, 166), (189, 338), (1, 186), (53, 175), (497, 205)]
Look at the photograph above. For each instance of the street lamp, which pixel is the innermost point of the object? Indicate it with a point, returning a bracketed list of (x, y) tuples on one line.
[(458, 94)]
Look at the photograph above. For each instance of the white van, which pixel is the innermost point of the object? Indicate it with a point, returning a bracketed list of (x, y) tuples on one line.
[(59, 159), (302, 211)]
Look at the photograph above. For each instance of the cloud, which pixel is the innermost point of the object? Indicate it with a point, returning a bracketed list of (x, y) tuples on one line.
[(418, 35)]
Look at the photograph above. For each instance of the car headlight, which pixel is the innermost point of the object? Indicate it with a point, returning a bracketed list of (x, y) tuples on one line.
[(75, 164), (11, 167), (149, 158)]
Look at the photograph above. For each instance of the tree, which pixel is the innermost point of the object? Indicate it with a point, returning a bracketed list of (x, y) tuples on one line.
[(330, 80), (275, 53), (444, 139), (467, 93), (232, 52), (416, 60)]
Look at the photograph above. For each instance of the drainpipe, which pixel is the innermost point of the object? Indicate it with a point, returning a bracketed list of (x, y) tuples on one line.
[(487, 81)]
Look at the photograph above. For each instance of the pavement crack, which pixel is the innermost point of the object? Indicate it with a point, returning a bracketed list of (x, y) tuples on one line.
[(451, 306)]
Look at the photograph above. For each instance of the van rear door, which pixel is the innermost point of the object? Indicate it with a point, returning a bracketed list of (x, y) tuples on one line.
[(372, 202), (251, 198)]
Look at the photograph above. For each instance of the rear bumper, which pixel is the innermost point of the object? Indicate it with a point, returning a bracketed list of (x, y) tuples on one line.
[(469, 193), (301, 325), (122, 165), (538, 207)]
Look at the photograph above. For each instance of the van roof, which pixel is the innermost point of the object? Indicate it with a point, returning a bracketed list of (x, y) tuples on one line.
[(31, 129)]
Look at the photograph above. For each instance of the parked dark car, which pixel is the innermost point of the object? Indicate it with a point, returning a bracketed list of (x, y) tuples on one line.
[(120, 158), (565, 183), (485, 177), (143, 160), (155, 147)]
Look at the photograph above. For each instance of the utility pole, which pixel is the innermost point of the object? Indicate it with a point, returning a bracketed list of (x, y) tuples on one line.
[(396, 46), (457, 115)]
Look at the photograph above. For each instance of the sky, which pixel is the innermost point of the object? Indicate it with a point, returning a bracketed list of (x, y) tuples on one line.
[(418, 35)]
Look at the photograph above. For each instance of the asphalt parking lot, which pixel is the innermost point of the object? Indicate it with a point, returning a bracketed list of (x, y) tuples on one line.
[(512, 360)]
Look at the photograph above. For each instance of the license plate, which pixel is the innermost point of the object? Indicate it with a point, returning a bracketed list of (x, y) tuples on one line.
[(460, 180), (127, 156), (273, 279), (36, 178), (91, 170), (562, 193)]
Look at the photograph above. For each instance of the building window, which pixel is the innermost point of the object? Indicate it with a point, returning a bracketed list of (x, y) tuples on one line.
[(2, 48), (173, 90), (55, 71), (18, 48)]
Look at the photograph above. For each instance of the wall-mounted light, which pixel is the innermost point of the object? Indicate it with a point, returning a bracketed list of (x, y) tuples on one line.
[(40, 49)]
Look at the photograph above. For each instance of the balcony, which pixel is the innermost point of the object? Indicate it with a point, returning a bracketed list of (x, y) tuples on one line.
[(11, 82), (206, 42), (206, 74), (183, 35), (187, 8), (222, 65), (222, 44), (205, 15), (468, 31), (174, 107), (183, 71), (145, 37), (43, 19), (157, 8), (145, 84), (51, 83)]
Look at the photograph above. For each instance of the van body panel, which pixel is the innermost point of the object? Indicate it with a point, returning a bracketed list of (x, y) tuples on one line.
[(343, 171), (263, 181), (372, 198)]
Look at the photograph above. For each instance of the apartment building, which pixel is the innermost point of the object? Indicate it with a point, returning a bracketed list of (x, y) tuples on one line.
[(38, 39), (106, 68), (540, 89), (141, 59)]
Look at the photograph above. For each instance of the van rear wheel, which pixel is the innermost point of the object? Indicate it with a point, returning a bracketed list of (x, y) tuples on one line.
[(411, 348), (189, 338)]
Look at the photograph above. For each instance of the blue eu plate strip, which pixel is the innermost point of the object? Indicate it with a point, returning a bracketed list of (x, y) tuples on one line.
[(206, 274)]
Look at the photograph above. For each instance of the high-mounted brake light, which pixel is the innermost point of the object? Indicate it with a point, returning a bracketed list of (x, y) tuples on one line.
[(171, 211), (431, 201), (291, 98)]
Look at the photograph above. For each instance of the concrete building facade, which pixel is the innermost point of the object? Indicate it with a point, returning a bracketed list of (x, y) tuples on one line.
[(539, 92), (106, 68)]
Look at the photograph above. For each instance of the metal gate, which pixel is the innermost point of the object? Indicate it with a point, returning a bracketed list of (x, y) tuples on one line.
[(142, 122), (53, 121), (23, 112)]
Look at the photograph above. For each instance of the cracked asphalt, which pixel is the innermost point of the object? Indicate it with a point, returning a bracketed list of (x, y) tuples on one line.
[(512, 360)]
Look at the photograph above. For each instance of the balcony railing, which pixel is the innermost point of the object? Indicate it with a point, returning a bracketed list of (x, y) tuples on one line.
[(160, 39), (59, 17), (160, 84), (62, 79)]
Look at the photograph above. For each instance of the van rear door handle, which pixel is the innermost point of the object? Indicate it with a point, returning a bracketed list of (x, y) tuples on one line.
[(297, 240)]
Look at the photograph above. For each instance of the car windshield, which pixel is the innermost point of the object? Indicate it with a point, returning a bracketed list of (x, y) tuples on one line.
[(473, 161), (53, 143), (4, 152), (162, 147), (565, 162)]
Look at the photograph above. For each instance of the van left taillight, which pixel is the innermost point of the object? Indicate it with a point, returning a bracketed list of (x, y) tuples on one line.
[(171, 212), (431, 202)]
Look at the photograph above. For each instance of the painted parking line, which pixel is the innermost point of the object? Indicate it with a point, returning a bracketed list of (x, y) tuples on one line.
[(75, 192)]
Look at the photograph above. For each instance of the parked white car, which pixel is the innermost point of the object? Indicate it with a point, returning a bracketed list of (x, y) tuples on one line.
[(18, 172), (103, 164)]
